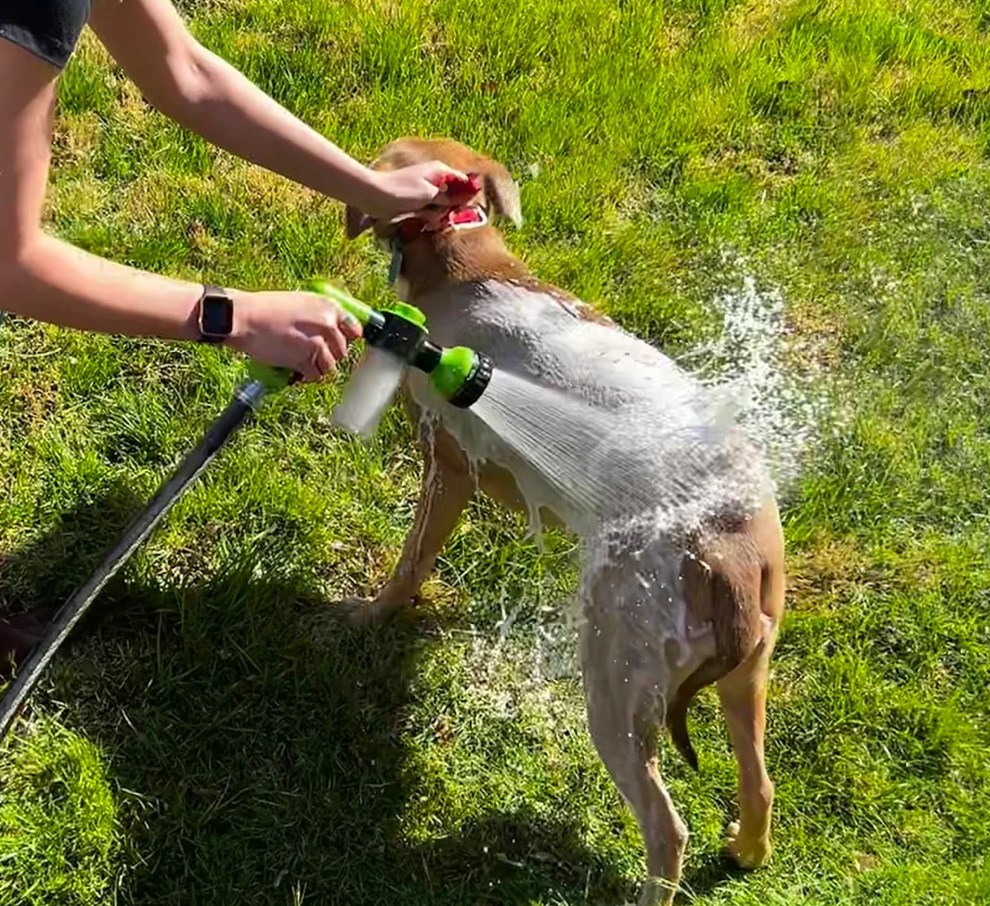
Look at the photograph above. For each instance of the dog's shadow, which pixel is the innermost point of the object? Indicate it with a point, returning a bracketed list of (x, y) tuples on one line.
[(256, 743)]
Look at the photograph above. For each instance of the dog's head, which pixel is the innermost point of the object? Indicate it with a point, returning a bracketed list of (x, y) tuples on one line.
[(499, 194)]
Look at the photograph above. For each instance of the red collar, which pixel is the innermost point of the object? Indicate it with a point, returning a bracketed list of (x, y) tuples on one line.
[(412, 228), (448, 219)]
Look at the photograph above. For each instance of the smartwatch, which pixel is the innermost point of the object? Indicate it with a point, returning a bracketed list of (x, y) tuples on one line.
[(216, 315)]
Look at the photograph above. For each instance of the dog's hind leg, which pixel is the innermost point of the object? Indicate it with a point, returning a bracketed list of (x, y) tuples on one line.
[(623, 723), (743, 693), (447, 487)]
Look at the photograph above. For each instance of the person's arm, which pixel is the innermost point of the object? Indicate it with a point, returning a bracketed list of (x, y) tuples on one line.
[(43, 278), (200, 91)]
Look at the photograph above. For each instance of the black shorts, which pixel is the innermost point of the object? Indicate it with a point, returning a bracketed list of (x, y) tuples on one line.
[(49, 29)]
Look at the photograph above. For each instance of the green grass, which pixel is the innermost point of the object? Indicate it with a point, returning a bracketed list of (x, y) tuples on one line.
[(215, 735)]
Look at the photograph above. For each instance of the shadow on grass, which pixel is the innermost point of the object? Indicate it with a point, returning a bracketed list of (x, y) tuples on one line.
[(258, 742), (37, 578), (707, 874)]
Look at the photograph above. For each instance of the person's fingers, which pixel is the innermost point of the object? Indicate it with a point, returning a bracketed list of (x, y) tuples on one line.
[(309, 370), (457, 188), (335, 341), (443, 173), (314, 365), (350, 326), (319, 363), (325, 360)]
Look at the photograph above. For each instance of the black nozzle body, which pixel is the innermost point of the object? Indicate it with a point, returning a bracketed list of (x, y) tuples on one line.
[(405, 340)]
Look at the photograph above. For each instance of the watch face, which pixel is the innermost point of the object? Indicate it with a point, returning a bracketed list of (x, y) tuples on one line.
[(217, 319)]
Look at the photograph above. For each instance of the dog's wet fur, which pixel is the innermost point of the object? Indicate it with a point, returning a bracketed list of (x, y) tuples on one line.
[(726, 583)]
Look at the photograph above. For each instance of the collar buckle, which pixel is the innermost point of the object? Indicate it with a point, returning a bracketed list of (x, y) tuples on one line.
[(395, 265)]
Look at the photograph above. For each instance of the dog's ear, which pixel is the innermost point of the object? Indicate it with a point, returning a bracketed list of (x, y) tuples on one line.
[(503, 193), (356, 222)]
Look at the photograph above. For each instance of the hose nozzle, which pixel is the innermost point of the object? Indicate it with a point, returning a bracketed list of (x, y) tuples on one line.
[(459, 375), (462, 375)]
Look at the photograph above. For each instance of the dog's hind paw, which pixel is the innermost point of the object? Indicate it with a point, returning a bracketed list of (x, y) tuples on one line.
[(746, 853)]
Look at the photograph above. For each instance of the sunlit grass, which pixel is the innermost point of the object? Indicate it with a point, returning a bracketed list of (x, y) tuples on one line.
[(216, 736)]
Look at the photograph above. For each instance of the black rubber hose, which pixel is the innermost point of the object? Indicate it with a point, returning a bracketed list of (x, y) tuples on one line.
[(73, 609)]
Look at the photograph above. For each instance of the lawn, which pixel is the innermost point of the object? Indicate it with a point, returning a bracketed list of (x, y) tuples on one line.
[(216, 735)]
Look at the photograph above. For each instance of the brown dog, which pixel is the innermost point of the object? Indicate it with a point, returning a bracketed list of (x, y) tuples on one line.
[(664, 614)]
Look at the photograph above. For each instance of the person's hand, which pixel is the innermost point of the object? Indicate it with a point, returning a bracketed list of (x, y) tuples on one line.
[(303, 332), (405, 191)]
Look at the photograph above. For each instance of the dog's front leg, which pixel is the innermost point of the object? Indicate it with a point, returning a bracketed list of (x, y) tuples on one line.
[(446, 489)]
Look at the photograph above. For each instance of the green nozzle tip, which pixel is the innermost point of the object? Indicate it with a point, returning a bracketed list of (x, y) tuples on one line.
[(456, 365), (462, 376)]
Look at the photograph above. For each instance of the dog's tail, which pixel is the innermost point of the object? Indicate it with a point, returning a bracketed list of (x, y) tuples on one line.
[(676, 717), (735, 588)]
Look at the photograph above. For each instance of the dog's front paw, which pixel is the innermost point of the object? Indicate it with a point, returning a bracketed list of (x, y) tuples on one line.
[(657, 892), (371, 611), (746, 853)]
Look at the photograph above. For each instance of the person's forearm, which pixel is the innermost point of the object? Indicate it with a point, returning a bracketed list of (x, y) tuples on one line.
[(225, 108), (55, 282), (51, 281)]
